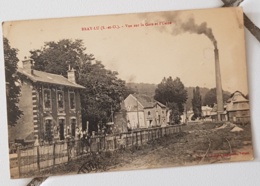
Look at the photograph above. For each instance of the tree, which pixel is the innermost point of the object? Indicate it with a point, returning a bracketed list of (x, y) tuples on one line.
[(196, 103), (13, 111), (173, 94), (104, 90), (211, 97), (56, 57)]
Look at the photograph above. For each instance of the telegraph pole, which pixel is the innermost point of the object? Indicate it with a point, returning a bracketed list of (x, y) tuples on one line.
[(137, 113)]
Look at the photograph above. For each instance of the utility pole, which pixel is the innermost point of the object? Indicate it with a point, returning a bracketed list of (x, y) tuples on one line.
[(137, 113), (137, 108)]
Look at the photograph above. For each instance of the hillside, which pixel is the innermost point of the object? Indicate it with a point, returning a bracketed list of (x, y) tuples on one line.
[(143, 88), (149, 90)]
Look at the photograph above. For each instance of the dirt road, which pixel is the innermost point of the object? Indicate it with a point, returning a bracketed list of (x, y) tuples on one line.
[(200, 144)]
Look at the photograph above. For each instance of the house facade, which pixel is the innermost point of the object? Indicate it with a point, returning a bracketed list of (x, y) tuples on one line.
[(238, 109), (50, 104), (206, 111), (143, 112)]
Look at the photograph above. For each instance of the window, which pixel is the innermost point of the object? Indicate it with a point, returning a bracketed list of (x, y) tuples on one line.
[(48, 130), (60, 99), (72, 100), (47, 98), (149, 113), (61, 128), (73, 126)]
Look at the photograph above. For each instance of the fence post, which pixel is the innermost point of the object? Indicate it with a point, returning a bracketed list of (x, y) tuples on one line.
[(136, 138), (105, 143), (115, 144), (68, 149), (38, 158), (141, 138), (126, 141), (19, 161), (53, 154), (132, 139), (98, 143)]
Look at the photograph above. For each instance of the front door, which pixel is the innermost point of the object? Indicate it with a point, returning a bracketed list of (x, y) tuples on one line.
[(73, 127), (61, 129)]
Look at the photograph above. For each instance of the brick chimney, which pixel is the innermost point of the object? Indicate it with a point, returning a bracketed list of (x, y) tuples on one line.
[(28, 65), (220, 105), (71, 75)]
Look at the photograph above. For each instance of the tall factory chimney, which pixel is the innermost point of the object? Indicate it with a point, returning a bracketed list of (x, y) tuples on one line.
[(220, 106)]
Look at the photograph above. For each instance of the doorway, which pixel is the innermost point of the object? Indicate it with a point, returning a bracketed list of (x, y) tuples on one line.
[(61, 129)]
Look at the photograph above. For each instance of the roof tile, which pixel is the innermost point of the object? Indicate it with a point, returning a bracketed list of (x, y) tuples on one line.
[(44, 77)]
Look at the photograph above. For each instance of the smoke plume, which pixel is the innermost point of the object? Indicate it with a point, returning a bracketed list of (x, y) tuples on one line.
[(182, 24), (191, 27)]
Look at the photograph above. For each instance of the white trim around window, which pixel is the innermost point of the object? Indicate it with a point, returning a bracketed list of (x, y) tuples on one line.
[(60, 95), (47, 101), (72, 106)]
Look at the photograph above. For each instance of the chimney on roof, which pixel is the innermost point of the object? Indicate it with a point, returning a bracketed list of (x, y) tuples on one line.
[(28, 65), (71, 75)]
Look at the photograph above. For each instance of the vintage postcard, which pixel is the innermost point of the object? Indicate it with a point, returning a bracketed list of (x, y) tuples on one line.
[(126, 92)]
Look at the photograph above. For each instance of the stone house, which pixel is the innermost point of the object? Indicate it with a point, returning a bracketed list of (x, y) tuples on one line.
[(50, 103), (144, 112)]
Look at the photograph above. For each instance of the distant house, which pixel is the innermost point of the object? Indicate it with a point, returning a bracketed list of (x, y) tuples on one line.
[(50, 103), (214, 113), (206, 113), (206, 110), (238, 108), (144, 112)]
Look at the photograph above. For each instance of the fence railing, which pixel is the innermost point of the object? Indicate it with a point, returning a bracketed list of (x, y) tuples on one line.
[(38, 158)]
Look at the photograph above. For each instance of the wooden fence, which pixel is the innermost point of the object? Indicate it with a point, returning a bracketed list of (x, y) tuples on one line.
[(38, 158)]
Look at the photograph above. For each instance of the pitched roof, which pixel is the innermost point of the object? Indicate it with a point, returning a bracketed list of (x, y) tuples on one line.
[(203, 108), (238, 96), (146, 101), (237, 101), (44, 77), (159, 103)]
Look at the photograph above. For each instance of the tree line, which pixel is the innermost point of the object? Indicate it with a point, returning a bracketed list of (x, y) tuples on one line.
[(104, 90)]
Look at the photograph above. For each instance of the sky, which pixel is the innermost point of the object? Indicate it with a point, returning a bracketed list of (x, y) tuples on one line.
[(149, 53)]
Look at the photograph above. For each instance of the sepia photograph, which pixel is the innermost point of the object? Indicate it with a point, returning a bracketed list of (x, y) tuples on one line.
[(126, 92)]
